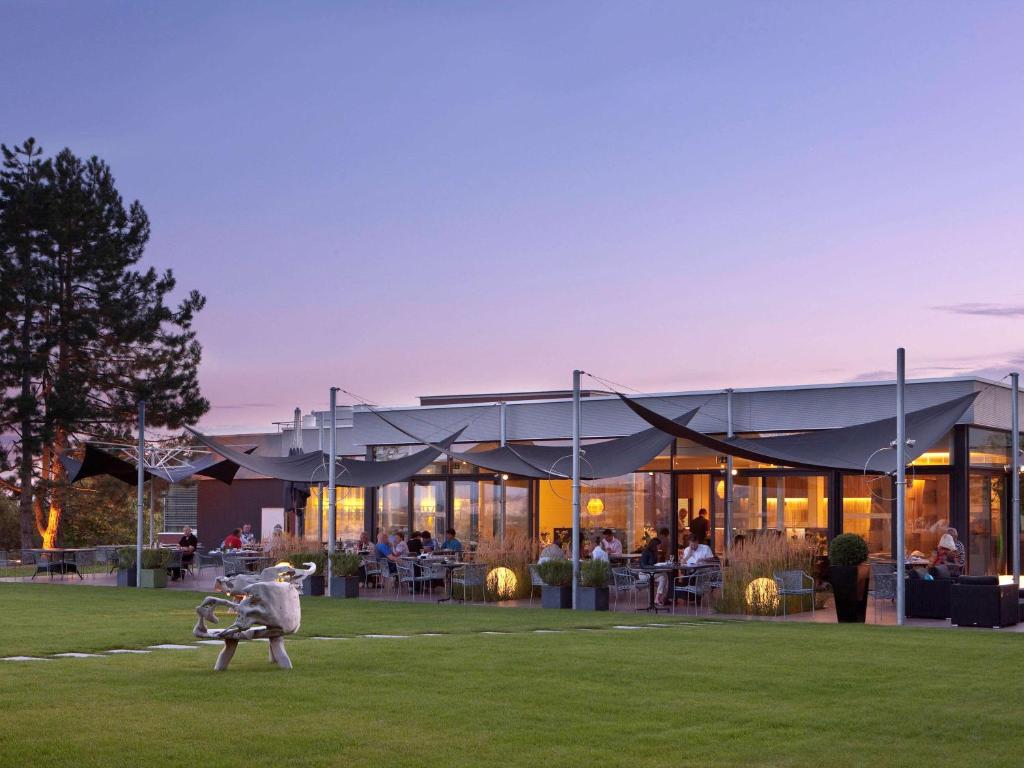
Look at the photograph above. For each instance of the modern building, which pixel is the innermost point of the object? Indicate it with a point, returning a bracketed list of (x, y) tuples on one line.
[(961, 481)]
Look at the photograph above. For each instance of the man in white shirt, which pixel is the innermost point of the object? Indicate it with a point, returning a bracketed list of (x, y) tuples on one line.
[(611, 545), (696, 553), (598, 553)]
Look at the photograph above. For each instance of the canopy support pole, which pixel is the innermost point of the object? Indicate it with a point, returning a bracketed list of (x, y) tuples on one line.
[(332, 503), (1015, 474), (152, 535), (901, 484), (728, 473), (575, 486), (503, 437), (140, 491)]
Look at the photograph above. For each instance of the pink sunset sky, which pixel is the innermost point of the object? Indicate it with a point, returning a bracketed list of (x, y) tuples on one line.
[(423, 198)]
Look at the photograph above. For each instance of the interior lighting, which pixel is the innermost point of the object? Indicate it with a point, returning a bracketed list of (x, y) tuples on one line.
[(595, 506)]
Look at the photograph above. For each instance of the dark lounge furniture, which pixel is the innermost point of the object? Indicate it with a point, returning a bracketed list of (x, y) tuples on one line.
[(928, 599), (981, 601)]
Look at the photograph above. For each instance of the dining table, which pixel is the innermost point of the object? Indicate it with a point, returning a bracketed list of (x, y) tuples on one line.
[(669, 569), (62, 560)]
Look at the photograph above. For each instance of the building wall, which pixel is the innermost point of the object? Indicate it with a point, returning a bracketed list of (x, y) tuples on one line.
[(224, 507)]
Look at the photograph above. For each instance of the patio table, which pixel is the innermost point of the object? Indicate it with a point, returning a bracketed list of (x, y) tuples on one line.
[(669, 569), (62, 566)]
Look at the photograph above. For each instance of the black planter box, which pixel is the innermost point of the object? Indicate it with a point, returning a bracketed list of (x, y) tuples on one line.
[(344, 586), (556, 597), (850, 588), (313, 586), (592, 598), (126, 577)]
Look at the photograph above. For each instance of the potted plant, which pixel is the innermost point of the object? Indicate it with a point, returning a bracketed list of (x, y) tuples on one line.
[(154, 568), (593, 592), (312, 586), (345, 574), (557, 578), (849, 574), (126, 567)]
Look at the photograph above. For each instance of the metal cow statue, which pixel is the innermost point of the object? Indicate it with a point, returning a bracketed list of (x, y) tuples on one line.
[(268, 609)]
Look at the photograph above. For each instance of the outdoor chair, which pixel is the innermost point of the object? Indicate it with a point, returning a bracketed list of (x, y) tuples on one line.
[(469, 577), (407, 576), (793, 583), (387, 576), (207, 560), (536, 582), (696, 588), (433, 573), (371, 570), (883, 584), (625, 580), (36, 559), (233, 565), (85, 562), (981, 601)]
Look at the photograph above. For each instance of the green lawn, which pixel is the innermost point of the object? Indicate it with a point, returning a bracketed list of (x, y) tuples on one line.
[(700, 693)]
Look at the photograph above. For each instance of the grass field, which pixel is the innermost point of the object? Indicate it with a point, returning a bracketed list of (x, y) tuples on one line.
[(699, 693)]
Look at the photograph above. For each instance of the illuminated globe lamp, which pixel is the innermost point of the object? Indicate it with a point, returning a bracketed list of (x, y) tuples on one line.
[(502, 582), (762, 596), (595, 506)]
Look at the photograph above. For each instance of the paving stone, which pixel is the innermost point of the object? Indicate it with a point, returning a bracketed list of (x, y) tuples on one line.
[(75, 655), (385, 637), (23, 658), (127, 650), (173, 647)]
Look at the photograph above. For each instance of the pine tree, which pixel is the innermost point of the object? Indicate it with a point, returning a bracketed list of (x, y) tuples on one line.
[(101, 333)]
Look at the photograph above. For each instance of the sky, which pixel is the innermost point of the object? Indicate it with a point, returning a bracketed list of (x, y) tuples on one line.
[(408, 198)]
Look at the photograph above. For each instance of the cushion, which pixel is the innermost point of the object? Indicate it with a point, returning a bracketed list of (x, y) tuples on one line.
[(980, 581), (939, 572)]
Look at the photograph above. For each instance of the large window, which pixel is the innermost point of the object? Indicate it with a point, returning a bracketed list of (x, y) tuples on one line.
[(987, 554), (693, 493), (868, 511), (635, 506), (429, 507), (393, 507), (795, 505), (988, 448), (927, 512), (348, 518), (476, 510)]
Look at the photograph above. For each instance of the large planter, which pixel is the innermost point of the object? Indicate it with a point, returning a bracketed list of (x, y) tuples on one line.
[(154, 578), (850, 588), (313, 586), (555, 597), (592, 598), (344, 586), (126, 577)]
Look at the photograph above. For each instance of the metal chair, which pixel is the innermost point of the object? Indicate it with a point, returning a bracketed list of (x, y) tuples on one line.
[(793, 583), (625, 580), (470, 576), (371, 569), (233, 564), (433, 573), (698, 585), (407, 576), (883, 584), (536, 582), (207, 560)]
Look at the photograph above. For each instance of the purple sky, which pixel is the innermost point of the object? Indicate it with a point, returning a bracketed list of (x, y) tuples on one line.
[(422, 198)]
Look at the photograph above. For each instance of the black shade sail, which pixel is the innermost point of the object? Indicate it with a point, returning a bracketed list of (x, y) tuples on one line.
[(95, 461), (861, 447), (610, 458), (312, 467)]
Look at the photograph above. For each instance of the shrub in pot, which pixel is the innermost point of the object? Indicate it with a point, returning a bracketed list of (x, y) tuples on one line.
[(312, 586), (345, 574), (154, 568), (557, 578), (595, 575), (849, 574), (126, 576)]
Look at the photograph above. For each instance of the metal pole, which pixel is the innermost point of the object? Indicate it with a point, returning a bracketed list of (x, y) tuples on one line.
[(320, 513), (728, 473), (332, 503), (1015, 474), (503, 437), (140, 493), (575, 485), (901, 484), (152, 483)]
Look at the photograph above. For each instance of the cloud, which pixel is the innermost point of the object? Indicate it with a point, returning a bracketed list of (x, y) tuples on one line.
[(229, 407), (985, 310), (874, 376)]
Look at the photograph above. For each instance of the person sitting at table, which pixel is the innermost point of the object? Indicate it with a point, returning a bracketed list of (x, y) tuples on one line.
[(364, 544), (276, 539), (945, 553), (551, 552), (384, 552), (428, 542), (696, 552), (232, 540), (648, 559), (665, 537), (451, 544), (598, 553), (960, 555), (187, 544), (415, 543), (609, 543), (400, 548), (247, 536)]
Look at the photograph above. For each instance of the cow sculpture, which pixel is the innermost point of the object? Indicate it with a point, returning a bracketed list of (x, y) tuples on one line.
[(268, 608)]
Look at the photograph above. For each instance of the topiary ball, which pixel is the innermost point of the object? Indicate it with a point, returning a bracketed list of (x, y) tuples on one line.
[(847, 549)]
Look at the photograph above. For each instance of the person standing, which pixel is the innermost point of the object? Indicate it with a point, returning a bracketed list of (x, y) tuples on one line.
[(699, 526)]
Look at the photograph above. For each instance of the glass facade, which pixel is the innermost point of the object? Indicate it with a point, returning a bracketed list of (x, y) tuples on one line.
[(430, 507), (927, 512), (795, 505), (348, 518), (986, 542), (393, 507)]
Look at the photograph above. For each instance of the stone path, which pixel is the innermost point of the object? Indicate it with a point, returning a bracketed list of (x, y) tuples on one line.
[(195, 646)]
